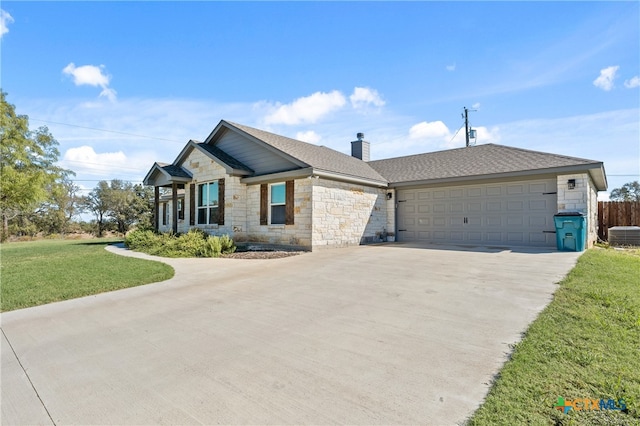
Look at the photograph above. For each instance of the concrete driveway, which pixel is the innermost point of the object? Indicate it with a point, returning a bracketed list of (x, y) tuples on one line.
[(387, 334)]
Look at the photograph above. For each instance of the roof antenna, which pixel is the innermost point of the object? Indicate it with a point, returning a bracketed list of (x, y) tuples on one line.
[(469, 133)]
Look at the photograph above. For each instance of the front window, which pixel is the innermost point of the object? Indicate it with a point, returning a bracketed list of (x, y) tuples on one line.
[(181, 208), (278, 202), (165, 214), (208, 203)]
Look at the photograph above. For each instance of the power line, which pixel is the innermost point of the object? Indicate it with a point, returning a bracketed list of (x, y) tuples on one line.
[(99, 164), (105, 130)]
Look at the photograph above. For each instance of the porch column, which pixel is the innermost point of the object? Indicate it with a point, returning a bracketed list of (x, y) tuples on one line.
[(156, 208), (174, 206)]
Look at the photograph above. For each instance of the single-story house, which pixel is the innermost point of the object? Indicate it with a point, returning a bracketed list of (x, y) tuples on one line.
[(260, 187)]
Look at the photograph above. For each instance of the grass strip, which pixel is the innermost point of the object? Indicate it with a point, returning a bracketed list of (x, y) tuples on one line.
[(40, 272), (585, 344)]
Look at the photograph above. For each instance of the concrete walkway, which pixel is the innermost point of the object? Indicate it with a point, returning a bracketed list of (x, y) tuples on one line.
[(387, 334)]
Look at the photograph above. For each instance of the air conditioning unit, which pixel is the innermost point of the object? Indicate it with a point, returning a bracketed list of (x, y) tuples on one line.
[(624, 236)]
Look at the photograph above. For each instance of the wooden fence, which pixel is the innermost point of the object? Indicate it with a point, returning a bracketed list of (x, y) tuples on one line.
[(617, 213)]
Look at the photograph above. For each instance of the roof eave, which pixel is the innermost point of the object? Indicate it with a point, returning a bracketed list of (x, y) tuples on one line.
[(278, 177), (351, 179), (596, 171)]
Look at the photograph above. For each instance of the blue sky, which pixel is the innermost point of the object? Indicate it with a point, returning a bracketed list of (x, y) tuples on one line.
[(123, 84)]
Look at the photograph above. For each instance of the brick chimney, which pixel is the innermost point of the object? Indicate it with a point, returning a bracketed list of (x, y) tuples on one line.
[(360, 148)]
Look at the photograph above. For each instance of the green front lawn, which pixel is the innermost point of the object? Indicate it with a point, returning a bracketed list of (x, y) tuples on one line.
[(39, 272), (585, 344)]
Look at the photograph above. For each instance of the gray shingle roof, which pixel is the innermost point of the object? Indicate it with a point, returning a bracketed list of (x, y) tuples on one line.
[(224, 157), (471, 161), (318, 157), (175, 171)]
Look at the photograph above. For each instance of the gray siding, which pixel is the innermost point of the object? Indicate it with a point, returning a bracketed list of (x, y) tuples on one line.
[(258, 158)]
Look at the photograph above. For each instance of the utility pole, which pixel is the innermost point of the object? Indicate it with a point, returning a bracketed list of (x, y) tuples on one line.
[(467, 130), (466, 124)]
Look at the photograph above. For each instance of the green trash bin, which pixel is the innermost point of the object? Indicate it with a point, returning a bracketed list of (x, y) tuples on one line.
[(571, 231)]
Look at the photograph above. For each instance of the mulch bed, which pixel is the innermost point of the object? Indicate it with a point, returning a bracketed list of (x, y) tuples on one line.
[(262, 254)]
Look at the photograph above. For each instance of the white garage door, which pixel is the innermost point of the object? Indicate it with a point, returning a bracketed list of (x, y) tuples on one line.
[(511, 213)]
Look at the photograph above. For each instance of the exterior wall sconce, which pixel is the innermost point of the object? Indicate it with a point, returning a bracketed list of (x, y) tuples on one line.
[(389, 195), (571, 184)]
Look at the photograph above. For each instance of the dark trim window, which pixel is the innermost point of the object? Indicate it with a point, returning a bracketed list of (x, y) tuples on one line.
[(208, 203), (278, 203), (181, 208), (165, 214)]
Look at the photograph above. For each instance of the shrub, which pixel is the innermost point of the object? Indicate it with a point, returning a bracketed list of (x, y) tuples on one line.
[(195, 243), (227, 245)]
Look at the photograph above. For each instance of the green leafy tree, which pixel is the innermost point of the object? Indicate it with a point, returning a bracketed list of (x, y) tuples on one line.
[(56, 213), (121, 203), (628, 192), (97, 203), (27, 164)]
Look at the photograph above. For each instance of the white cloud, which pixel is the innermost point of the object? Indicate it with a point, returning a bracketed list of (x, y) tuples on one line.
[(91, 75), (308, 136), (476, 105), (451, 67), (5, 20), (365, 96), (632, 83), (86, 160), (308, 109), (606, 77), (429, 130)]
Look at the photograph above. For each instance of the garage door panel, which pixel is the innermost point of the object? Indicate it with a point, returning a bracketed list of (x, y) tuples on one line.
[(474, 221), (537, 237), (439, 235), (474, 192), (493, 221), (538, 205), (494, 237), (493, 191), (537, 188), (456, 221), (439, 221), (494, 206), (474, 236), (538, 221), (456, 193), (515, 237), (515, 189), (474, 207), (515, 205), (456, 208), (516, 213), (515, 220), (456, 236)]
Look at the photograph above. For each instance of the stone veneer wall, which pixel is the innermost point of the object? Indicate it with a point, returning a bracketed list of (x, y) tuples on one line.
[(204, 169), (583, 199), (343, 214), (347, 214), (298, 234)]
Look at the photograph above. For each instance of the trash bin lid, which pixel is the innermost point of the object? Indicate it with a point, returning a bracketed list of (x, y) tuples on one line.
[(568, 214)]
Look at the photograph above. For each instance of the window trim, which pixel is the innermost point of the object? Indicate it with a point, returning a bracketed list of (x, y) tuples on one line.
[(206, 206), (272, 204)]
